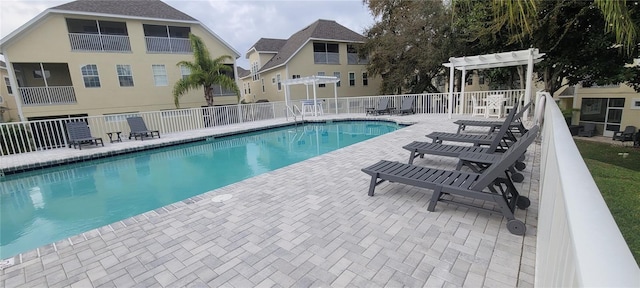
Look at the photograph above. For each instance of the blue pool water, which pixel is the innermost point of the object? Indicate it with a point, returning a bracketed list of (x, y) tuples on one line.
[(47, 205)]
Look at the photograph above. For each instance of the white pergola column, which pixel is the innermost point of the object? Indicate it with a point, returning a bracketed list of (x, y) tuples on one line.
[(528, 88), (335, 95), (451, 74), (463, 83)]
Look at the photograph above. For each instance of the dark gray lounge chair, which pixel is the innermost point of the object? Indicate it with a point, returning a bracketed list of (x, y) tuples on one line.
[(506, 136), (79, 133), (139, 129), (383, 108), (587, 130), (516, 123), (407, 106), (495, 179), (418, 148), (481, 162), (626, 134)]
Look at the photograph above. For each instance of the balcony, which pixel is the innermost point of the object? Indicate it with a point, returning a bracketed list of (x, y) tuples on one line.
[(34, 96), (99, 42), (168, 45)]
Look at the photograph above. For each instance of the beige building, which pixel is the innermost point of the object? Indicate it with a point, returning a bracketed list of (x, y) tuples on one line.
[(8, 110), (324, 48), (104, 57), (610, 107)]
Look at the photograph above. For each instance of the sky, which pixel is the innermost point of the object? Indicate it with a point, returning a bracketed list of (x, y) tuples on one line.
[(238, 22)]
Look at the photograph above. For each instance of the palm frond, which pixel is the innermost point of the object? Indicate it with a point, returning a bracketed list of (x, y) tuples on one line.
[(618, 20)]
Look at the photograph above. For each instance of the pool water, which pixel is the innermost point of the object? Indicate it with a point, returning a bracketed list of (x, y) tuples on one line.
[(44, 206)]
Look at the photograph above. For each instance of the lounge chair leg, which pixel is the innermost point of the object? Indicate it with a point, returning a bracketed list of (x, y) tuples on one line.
[(372, 186), (434, 199), (412, 156)]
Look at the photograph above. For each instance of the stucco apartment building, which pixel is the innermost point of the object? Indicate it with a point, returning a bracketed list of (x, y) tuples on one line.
[(324, 48), (104, 57)]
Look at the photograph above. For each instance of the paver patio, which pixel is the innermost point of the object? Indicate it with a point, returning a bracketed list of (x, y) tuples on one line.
[(307, 224)]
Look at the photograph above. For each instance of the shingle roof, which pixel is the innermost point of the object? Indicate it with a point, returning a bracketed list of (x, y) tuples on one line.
[(321, 29), (242, 72), (137, 8), (269, 44)]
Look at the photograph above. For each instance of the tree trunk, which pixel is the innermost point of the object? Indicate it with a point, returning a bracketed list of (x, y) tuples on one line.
[(208, 96)]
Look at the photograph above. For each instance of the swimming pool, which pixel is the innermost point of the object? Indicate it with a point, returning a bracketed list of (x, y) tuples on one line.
[(44, 206)]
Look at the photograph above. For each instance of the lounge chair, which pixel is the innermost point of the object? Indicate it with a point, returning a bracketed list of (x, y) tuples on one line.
[(495, 179), (79, 133), (587, 130), (493, 124), (383, 108), (479, 139), (139, 129), (418, 148), (626, 134), (407, 106)]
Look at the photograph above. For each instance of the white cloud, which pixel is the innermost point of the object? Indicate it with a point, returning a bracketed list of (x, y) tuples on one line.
[(239, 23)]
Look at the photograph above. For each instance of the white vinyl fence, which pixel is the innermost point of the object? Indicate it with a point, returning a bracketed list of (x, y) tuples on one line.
[(28, 136), (579, 243)]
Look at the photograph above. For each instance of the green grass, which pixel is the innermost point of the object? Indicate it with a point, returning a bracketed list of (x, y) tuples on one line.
[(617, 178)]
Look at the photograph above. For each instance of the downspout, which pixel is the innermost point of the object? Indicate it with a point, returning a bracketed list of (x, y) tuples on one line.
[(12, 78)]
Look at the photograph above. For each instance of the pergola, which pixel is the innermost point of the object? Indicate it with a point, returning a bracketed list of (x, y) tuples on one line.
[(313, 81), (514, 58)]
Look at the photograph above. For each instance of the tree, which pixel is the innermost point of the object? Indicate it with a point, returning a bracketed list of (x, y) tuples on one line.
[(409, 43), (205, 72), (575, 35), (521, 17)]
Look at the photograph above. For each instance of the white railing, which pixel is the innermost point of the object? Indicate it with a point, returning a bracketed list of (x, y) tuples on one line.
[(98, 42), (167, 45), (510, 96), (22, 137), (32, 96), (579, 243)]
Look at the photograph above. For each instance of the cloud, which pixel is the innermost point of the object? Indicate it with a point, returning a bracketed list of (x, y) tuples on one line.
[(239, 23)]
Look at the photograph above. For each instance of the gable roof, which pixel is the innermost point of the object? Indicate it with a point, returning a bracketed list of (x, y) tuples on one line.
[(241, 72), (319, 30), (269, 44), (131, 9), (138, 8)]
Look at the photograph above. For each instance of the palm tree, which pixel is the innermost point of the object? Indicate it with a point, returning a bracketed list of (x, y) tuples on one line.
[(521, 15), (205, 72)]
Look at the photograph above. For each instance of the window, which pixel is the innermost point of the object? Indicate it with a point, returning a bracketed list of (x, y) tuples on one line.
[(244, 86), (273, 80), (262, 85), (365, 79), (352, 79), (185, 71), (91, 27), (352, 56), (321, 85), (326, 53), (296, 76), (90, 76), (125, 77), (278, 81), (166, 31), (254, 71), (481, 79), (249, 87), (8, 83), (159, 75), (337, 74)]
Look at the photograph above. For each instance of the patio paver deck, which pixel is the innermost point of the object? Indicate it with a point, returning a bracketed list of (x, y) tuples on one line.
[(307, 224)]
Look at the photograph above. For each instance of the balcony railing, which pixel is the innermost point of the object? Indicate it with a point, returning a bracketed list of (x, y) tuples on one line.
[(168, 45), (33, 96), (97, 42)]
